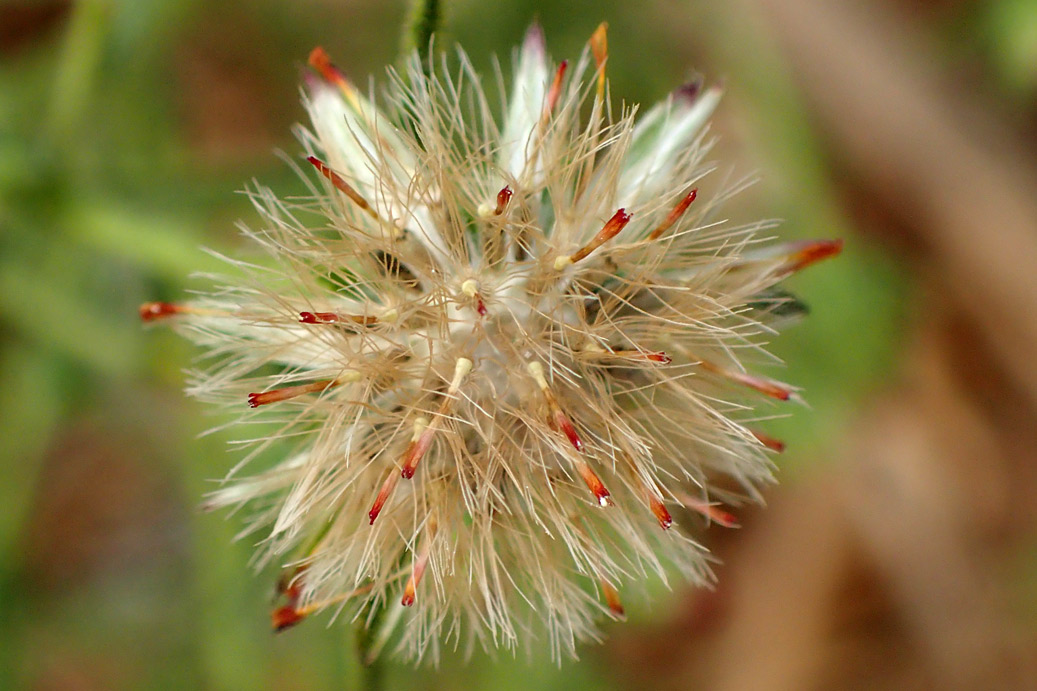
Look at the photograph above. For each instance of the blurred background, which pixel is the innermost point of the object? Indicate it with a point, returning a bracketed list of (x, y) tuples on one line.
[(900, 550)]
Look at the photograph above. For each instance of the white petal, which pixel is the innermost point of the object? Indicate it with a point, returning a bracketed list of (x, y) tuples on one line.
[(525, 105), (358, 140), (661, 139), (362, 145)]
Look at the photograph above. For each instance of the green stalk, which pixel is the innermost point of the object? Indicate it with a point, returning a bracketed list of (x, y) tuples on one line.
[(372, 632), (424, 21)]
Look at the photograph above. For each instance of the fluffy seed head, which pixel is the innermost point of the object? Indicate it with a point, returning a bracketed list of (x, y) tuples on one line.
[(510, 353)]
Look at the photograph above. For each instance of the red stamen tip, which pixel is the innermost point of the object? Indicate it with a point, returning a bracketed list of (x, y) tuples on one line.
[(775, 391), (556, 89), (383, 496), (615, 224), (656, 356), (336, 180), (768, 441), (480, 307), (612, 599), (319, 165), (321, 61), (710, 511), (723, 518), (318, 317), (811, 252), (503, 199), (567, 428), (674, 214), (331, 175), (265, 397), (767, 387), (716, 514), (599, 44), (150, 311), (286, 617), (607, 232), (341, 185), (415, 452), (410, 590), (661, 514), (595, 485), (683, 205)]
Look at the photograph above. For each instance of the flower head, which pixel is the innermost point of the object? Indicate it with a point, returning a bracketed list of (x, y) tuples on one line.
[(509, 353)]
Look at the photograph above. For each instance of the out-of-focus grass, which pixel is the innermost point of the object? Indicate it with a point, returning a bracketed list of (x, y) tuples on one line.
[(111, 177)]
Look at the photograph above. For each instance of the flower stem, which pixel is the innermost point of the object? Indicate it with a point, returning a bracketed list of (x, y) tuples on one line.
[(425, 19)]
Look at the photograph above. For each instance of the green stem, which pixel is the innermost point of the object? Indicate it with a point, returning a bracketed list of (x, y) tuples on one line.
[(372, 677), (426, 17)]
